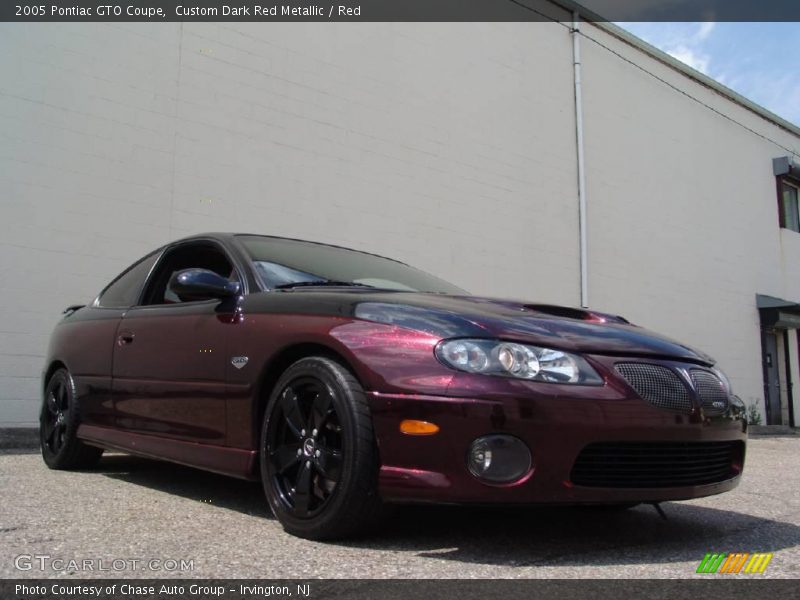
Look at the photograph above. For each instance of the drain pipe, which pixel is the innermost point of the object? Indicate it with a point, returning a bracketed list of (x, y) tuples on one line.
[(576, 64)]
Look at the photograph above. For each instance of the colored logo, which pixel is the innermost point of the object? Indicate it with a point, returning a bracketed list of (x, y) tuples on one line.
[(736, 562)]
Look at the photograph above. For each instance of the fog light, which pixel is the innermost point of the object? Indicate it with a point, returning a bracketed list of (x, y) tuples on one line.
[(498, 458)]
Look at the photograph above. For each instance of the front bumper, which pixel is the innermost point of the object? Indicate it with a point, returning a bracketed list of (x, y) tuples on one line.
[(556, 428)]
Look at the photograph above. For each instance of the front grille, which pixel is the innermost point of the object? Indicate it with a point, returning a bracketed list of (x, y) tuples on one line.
[(660, 386), (710, 390), (657, 464)]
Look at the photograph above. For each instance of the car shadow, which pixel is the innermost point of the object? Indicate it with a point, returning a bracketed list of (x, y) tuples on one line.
[(578, 536), (533, 536), (207, 488)]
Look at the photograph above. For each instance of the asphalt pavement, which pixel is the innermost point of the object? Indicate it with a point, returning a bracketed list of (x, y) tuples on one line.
[(161, 520)]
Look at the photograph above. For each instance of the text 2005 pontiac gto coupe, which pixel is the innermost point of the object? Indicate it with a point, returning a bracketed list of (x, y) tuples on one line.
[(344, 381)]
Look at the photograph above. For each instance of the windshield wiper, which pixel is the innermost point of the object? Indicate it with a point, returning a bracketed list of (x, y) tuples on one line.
[(328, 283)]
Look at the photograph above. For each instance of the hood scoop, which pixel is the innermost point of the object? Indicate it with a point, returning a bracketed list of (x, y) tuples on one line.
[(578, 314)]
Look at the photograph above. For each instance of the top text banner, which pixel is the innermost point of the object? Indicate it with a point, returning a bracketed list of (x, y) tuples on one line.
[(399, 10)]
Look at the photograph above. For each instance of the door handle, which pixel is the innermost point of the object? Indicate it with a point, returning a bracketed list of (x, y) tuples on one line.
[(124, 338)]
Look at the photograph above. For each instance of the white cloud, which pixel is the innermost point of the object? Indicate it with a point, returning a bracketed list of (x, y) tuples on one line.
[(696, 60), (689, 47), (704, 31), (685, 42)]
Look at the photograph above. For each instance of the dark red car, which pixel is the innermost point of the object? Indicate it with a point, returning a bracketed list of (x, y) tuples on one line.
[(344, 380)]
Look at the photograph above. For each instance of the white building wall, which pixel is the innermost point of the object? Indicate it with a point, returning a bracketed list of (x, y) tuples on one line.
[(448, 146)]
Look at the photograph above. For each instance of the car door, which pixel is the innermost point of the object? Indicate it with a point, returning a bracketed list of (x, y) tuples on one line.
[(170, 356)]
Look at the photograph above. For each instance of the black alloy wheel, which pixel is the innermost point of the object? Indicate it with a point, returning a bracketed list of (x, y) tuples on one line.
[(58, 426), (54, 418), (319, 461), (305, 447)]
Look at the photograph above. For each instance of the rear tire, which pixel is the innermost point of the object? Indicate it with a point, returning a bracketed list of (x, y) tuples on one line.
[(319, 459), (58, 427)]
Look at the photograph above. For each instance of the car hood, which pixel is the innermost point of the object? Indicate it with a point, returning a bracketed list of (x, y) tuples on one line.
[(560, 327)]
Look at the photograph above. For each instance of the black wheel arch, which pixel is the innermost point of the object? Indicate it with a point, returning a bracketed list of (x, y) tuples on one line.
[(278, 363), (54, 366)]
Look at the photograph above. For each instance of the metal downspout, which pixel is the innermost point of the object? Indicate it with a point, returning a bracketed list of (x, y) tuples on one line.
[(576, 64)]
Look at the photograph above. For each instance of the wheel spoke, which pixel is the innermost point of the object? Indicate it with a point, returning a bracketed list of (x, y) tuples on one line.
[(321, 409), (302, 492), (329, 463), (62, 397), (49, 428), (58, 438), (52, 403), (285, 456), (291, 411)]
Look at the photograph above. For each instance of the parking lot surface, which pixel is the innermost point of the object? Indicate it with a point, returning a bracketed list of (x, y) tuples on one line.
[(140, 510)]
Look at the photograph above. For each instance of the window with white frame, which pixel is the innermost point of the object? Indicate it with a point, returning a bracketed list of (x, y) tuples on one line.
[(790, 211)]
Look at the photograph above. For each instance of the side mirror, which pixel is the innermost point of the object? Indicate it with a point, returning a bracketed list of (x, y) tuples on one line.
[(202, 284)]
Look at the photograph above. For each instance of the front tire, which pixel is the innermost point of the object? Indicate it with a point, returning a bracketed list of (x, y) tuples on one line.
[(58, 427), (319, 460)]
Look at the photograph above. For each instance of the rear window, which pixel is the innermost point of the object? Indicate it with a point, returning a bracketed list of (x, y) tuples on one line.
[(125, 289)]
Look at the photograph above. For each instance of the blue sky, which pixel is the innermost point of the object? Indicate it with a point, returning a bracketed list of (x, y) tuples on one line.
[(761, 61)]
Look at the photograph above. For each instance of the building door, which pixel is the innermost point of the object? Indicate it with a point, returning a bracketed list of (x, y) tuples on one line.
[(772, 380)]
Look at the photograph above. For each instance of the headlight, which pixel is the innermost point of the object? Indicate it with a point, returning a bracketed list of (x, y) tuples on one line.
[(521, 361)]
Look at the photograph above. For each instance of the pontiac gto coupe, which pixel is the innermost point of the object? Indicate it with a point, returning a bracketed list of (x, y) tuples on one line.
[(345, 381)]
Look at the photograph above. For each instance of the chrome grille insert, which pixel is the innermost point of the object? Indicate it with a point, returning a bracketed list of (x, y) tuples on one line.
[(658, 385), (710, 390)]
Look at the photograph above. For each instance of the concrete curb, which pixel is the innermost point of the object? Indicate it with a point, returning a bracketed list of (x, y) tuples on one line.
[(19, 438), (772, 430)]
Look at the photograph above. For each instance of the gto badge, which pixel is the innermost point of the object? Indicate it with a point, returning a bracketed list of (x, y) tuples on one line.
[(308, 447), (239, 361)]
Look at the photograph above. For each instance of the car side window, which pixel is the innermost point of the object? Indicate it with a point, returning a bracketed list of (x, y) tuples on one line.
[(124, 291), (200, 255)]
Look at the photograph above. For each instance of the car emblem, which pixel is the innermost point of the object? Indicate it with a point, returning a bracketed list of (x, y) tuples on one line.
[(239, 361), (308, 447), (718, 404)]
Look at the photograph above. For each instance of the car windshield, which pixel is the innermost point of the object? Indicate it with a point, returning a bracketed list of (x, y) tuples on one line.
[(283, 263)]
